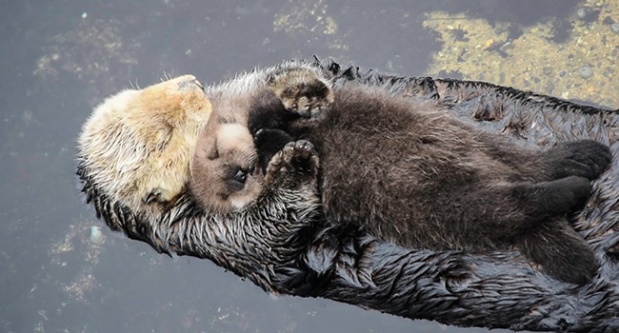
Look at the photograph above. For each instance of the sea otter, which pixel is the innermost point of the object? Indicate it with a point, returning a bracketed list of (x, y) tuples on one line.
[(410, 173), (496, 289)]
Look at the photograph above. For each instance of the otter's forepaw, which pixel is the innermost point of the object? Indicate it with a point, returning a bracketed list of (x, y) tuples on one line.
[(296, 159), (583, 158), (308, 99), (303, 92)]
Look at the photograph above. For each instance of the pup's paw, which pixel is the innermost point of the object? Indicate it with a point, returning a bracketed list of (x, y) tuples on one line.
[(303, 92), (296, 159)]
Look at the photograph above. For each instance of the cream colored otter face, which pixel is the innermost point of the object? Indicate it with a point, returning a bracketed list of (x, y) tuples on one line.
[(224, 171), (138, 144)]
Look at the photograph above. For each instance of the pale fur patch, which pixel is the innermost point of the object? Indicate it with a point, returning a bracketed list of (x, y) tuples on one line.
[(138, 144), (230, 136)]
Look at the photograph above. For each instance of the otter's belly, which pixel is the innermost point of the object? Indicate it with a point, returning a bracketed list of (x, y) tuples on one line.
[(394, 193)]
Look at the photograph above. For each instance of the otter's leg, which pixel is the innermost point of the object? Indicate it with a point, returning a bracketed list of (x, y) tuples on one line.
[(302, 91), (582, 158), (504, 212), (548, 199), (560, 251)]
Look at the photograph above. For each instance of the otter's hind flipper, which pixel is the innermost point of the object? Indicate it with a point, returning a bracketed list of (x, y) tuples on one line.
[(555, 198), (560, 251), (583, 158)]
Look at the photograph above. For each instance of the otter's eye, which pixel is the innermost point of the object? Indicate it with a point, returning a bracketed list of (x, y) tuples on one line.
[(240, 176)]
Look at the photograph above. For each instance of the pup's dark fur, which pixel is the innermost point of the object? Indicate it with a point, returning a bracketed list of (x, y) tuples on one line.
[(414, 175)]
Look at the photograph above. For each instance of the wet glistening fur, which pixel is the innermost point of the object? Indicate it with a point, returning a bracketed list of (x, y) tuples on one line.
[(268, 242), (414, 175)]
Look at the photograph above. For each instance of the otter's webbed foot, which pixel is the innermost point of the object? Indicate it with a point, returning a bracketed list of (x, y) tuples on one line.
[(303, 92), (582, 158), (293, 165)]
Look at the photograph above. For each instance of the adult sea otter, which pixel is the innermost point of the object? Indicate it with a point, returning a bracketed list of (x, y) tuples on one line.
[(497, 289)]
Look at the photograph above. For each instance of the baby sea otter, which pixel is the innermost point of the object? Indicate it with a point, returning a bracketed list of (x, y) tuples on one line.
[(411, 173), (225, 176)]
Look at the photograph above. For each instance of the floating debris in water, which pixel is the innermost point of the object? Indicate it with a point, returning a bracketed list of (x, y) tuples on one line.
[(96, 236)]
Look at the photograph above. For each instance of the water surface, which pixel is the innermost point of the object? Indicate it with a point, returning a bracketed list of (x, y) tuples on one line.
[(60, 58)]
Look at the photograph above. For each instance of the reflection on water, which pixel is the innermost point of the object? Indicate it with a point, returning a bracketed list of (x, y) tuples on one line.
[(64, 272)]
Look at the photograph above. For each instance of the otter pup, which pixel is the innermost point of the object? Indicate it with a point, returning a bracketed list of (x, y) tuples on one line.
[(224, 173), (413, 174)]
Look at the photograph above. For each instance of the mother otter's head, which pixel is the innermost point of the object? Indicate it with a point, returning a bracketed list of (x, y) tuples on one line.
[(137, 146)]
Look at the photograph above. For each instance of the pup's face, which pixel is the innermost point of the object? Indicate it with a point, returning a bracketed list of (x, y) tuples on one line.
[(137, 145), (224, 171)]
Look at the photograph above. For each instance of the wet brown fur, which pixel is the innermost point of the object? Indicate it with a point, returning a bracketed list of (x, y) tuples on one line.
[(491, 289), (413, 174)]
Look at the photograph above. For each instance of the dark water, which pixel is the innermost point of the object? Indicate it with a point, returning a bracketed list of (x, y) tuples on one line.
[(60, 58)]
